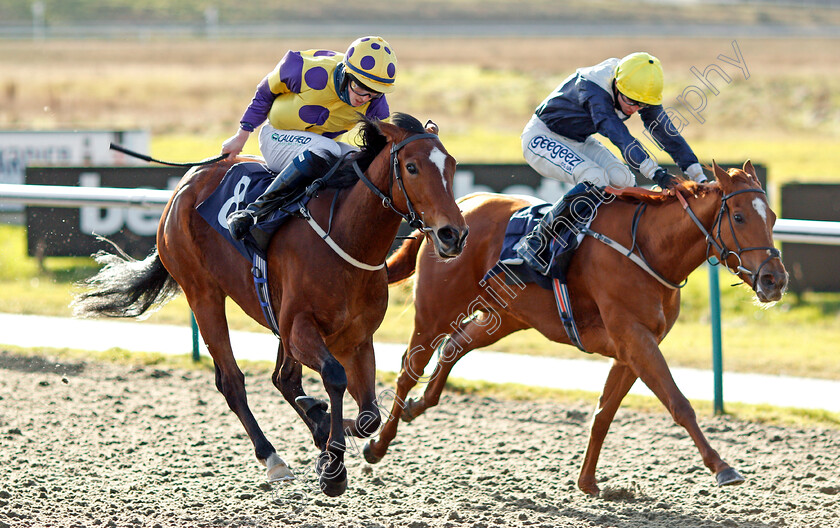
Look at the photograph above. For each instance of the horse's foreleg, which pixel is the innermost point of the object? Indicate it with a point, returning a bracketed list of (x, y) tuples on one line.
[(361, 383), (649, 365), (307, 345), (618, 384), (231, 383), (287, 377)]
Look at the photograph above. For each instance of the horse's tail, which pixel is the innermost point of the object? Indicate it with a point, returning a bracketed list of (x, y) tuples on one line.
[(403, 261), (125, 287)]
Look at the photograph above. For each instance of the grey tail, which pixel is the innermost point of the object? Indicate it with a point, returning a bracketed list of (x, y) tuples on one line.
[(125, 287)]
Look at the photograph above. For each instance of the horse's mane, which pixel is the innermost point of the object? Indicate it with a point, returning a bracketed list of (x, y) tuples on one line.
[(686, 188), (371, 143)]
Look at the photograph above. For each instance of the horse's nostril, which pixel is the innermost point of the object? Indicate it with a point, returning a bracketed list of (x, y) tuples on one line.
[(447, 235), (463, 240)]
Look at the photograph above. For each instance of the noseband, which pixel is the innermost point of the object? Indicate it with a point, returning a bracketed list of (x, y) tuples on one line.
[(716, 240), (414, 220), (412, 217)]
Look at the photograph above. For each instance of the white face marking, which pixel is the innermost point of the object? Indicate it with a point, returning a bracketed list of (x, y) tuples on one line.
[(439, 158), (760, 207)]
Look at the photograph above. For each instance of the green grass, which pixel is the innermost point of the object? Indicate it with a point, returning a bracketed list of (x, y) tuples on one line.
[(796, 337)]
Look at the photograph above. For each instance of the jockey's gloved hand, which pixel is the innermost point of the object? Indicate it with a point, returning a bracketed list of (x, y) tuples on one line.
[(695, 172), (663, 179)]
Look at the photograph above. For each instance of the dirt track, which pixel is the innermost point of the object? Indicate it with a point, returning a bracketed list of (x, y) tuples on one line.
[(107, 445)]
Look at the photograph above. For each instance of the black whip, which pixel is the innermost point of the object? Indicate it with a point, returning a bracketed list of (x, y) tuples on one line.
[(143, 157)]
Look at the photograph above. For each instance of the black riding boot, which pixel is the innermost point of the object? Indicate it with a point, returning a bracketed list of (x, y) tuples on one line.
[(241, 221), (533, 244)]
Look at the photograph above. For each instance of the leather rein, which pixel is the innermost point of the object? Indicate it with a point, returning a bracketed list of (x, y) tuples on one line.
[(414, 220), (634, 253), (720, 245)]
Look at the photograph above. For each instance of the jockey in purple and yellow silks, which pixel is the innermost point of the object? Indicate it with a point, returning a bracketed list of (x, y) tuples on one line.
[(311, 98)]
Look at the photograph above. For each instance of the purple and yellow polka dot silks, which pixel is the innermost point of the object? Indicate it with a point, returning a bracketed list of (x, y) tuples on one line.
[(306, 98), (373, 62)]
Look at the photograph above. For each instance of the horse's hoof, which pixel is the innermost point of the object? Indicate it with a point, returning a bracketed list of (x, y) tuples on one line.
[(332, 488), (590, 489), (729, 477), (367, 450), (308, 403), (332, 474), (278, 470)]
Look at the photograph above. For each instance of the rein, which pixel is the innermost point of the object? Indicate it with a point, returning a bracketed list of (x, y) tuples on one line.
[(413, 219), (717, 239)]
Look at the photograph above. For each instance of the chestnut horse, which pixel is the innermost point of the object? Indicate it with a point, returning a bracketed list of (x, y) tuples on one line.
[(327, 308), (622, 311)]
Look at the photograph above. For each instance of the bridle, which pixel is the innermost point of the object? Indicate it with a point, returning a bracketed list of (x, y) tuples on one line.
[(717, 242), (412, 218)]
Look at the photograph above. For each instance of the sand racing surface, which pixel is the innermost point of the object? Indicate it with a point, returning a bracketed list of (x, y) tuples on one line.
[(100, 444)]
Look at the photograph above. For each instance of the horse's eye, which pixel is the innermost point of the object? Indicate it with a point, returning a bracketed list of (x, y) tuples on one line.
[(739, 218), (411, 168)]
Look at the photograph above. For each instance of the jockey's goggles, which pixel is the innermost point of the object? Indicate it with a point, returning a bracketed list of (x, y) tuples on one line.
[(630, 102), (362, 91)]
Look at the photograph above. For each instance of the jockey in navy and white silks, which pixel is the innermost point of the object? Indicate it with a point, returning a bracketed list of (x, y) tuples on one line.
[(311, 98), (558, 141)]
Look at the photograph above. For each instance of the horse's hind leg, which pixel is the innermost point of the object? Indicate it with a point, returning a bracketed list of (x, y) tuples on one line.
[(210, 316), (619, 381), (485, 329), (287, 378)]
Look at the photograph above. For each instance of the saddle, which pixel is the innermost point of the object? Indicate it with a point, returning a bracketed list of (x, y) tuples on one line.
[(242, 184), (579, 210), (576, 211)]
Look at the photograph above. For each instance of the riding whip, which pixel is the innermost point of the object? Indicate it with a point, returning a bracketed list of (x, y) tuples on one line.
[(143, 157)]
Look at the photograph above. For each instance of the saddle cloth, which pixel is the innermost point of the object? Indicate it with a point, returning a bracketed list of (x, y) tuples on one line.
[(244, 183), (560, 250)]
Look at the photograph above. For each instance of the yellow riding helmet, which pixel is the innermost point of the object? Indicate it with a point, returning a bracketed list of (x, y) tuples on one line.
[(639, 76), (373, 62)]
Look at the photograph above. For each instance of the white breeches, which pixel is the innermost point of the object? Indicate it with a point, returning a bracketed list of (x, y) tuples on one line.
[(280, 147), (566, 160)]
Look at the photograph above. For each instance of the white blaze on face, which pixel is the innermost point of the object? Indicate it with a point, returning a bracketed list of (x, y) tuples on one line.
[(760, 207), (439, 159)]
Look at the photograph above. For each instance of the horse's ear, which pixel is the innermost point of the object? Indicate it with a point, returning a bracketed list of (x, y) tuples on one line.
[(720, 174), (749, 169), (431, 127), (389, 130)]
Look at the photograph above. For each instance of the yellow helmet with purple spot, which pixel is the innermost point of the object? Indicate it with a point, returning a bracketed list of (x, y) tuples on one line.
[(639, 76), (372, 61)]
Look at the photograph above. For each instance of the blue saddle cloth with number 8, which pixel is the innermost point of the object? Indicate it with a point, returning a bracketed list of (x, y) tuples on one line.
[(243, 184)]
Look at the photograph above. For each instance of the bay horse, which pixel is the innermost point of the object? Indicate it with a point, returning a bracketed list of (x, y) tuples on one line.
[(622, 311), (326, 307)]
